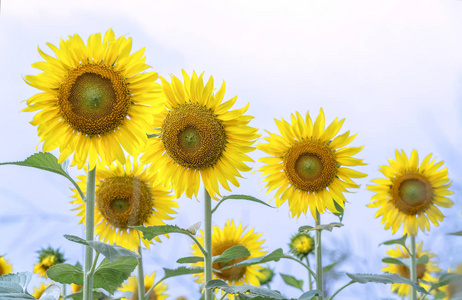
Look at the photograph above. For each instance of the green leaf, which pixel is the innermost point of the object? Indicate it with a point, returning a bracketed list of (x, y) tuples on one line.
[(79, 295), (385, 278), (181, 271), (44, 161), (439, 296), (151, 232), (309, 295), (405, 261), (190, 259), (234, 252), (401, 241), (111, 252), (458, 233), (276, 255), (109, 275), (329, 267), (76, 239), (241, 289), (150, 136), (292, 281), (340, 210), (239, 197), (65, 273), (447, 278), (52, 292), (14, 286), (329, 227)]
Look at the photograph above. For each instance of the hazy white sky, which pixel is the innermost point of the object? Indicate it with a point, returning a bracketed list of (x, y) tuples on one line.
[(391, 68)]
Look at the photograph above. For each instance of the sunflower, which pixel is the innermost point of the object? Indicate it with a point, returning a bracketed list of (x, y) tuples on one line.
[(267, 275), (306, 164), (223, 239), (423, 270), (47, 257), (132, 286), (454, 287), (39, 291), (301, 244), (410, 193), (199, 137), (94, 99), (126, 195), (5, 266)]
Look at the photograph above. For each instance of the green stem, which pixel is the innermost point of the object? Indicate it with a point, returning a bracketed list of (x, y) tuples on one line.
[(89, 233), (301, 263), (340, 289), (318, 257), (146, 296), (64, 290), (310, 282), (208, 242), (141, 288), (93, 266), (413, 271)]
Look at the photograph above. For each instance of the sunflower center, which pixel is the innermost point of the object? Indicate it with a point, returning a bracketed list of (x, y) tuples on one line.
[(193, 137), (231, 274), (404, 271), (124, 201), (310, 165), (303, 244), (412, 193), (94, 99)]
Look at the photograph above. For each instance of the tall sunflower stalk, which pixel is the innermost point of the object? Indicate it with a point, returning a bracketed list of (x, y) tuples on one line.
[(89, 234), (409, 196), (208, 242)]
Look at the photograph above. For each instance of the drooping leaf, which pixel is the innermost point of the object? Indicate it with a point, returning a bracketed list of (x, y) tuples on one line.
[(458, 233), (439, 295), (239, 197), (309, 295), (65, 273), (385, 278), (234, 252), (14, 286), (52, 292), (44, 161), (292, 281), (151, 232), (340, 212), (181, 271), (328, 227), (190, 259), (276, 255), (109, 275), (241, 289)]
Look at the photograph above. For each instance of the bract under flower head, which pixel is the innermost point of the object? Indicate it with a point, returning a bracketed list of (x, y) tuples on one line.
[(94, 100)]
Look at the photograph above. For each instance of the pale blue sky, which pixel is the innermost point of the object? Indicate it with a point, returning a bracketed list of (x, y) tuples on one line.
[(391, 68)]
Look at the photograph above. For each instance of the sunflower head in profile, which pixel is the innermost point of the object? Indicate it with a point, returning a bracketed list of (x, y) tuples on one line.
[(423, 270), (39, 291), (301, 244), (411, 193), (132, 286), (5, 266), (267, 275), (126, 195), (223, 239), (308, 164), (199, 137), (47, 257), (94, 100)]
